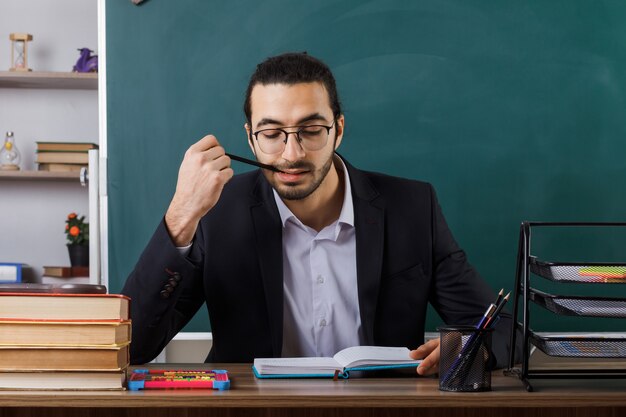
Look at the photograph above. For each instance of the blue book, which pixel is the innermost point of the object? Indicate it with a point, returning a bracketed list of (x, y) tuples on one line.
[(357, 358), (10, 272)]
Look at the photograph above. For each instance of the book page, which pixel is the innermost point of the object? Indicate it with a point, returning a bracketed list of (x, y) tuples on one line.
[(373, 355), (295, 366)]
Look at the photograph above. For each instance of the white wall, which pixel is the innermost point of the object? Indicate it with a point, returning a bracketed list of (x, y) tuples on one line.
[(187, 348), (59, 27), (32, 214)]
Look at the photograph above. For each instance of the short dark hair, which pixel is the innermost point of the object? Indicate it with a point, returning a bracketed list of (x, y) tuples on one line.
[(293, 68)]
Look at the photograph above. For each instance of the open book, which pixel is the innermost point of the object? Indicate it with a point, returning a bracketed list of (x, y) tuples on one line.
[(357, 358)]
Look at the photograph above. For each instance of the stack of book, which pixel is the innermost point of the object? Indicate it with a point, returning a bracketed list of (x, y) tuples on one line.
[(63, 341), (65, 274), (63, 156)]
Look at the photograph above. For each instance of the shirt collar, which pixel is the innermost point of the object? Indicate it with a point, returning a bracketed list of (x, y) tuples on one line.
[(347, 210)]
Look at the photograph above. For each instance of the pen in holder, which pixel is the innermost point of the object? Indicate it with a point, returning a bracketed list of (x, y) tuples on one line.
[(465, 358)]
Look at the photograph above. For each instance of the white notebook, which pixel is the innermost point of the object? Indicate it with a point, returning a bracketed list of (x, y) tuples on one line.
[(357, 358)]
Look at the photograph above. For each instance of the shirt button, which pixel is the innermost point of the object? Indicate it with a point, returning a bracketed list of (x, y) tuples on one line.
[(320, 279), (322, 323)]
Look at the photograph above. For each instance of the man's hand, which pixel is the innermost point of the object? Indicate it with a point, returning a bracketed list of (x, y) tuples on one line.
[(429, 352), (201, 178)]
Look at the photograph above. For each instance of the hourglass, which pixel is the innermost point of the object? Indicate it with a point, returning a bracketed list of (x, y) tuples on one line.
[(19, 51)]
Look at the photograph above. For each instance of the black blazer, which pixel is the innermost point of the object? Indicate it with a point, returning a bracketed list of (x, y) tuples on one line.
[(406, 257)]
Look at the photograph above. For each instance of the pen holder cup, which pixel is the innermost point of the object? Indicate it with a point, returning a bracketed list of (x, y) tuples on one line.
[(465, 359)]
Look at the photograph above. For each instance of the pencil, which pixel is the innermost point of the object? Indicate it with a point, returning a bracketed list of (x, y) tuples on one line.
[(251, 162), (498, 310), (499, 296)]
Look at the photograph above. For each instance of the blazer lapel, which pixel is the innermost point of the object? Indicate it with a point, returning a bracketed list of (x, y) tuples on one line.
[(269, 245), (369, 222)]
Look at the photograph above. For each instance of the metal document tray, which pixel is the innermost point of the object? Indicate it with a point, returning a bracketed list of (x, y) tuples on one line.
[(579, 272), (589, 346), (580, 306)]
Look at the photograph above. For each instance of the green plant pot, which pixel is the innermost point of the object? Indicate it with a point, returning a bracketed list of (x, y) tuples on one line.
[(79, 255)]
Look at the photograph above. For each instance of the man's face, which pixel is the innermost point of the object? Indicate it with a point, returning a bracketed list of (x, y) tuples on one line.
[(291, 107)]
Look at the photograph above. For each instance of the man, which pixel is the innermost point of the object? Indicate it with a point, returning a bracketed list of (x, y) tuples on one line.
[(307, 261)]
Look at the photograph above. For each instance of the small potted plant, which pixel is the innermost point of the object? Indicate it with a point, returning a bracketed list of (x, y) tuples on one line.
[(77, 232)]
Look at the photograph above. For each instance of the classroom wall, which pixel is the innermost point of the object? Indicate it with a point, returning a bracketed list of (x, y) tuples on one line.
[(32, 214), (513, 110)]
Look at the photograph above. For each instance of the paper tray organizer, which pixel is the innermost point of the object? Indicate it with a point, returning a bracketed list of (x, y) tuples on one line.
[(591, 345)]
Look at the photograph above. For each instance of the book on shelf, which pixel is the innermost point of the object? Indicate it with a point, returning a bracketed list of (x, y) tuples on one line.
[(357, 358), (70, 380), (57, 280), (64, 287), (66, 146), (61, 167), (62, 333), (67, 307), (52, 157), (10, 272), (66, 271), (63, 358)]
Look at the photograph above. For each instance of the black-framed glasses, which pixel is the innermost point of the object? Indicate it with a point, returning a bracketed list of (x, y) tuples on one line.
[(310, 137)]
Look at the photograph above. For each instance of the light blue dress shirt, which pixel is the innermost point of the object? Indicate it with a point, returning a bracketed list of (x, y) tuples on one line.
[(321, 307)]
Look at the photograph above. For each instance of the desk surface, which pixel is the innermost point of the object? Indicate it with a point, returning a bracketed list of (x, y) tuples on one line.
[(421, 393)]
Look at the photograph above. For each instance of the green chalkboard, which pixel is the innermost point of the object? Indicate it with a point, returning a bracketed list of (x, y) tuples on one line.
[(514, 110)]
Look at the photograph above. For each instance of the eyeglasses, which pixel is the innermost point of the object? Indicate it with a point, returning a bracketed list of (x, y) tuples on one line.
[(311, 138)]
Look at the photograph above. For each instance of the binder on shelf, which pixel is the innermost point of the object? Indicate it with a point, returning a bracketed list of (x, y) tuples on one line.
[(10, 272)]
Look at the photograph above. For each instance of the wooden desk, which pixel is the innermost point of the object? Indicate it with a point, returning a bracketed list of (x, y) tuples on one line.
[(320, 397)]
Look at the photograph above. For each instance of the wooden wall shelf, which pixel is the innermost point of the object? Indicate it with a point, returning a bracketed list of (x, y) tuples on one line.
[(49, 80), (38, 176)]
